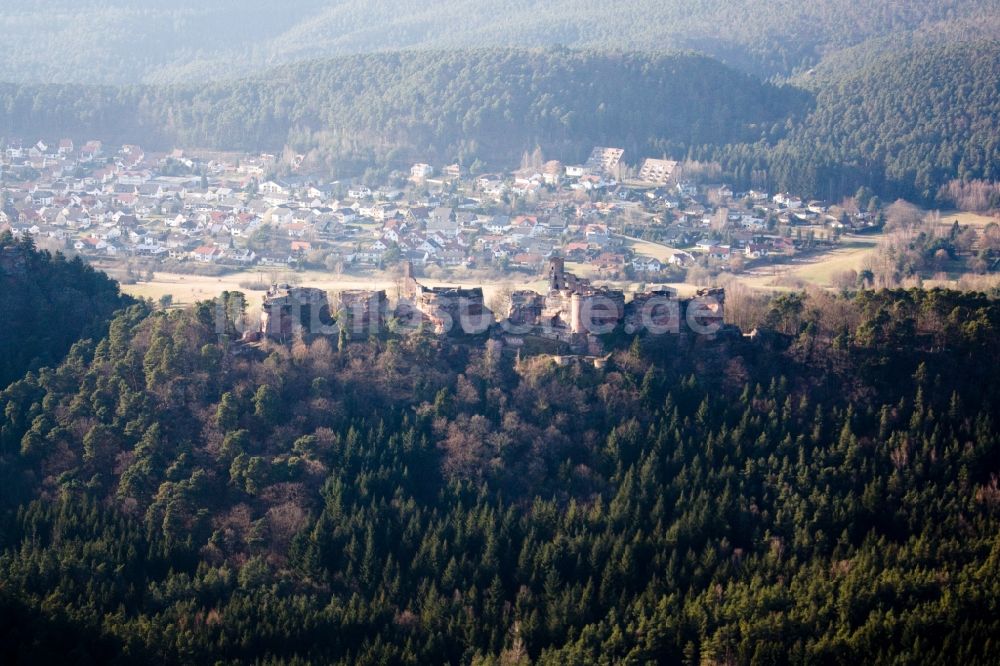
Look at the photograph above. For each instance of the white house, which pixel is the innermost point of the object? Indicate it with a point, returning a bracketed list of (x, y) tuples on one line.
[(421, 171)]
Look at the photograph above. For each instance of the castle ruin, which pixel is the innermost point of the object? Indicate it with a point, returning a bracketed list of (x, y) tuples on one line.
[(362, 311), (287, 308), (444, 309), (574, 310)]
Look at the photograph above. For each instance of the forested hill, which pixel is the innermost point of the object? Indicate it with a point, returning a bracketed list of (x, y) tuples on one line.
[(132, 41), (904, 124), (398, 107), (908, 121), (47, 303), (826, 493), (844, 62)]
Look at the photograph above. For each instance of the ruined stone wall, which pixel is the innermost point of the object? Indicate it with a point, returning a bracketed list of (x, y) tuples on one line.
[(363, 311), (287, 308), (447, 308)]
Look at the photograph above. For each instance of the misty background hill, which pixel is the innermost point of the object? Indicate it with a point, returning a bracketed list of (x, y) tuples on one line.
[(132, 41)]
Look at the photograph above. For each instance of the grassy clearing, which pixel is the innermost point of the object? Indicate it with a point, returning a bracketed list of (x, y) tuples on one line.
[(819, 269), (849, 256), (978, 220), (651, 249), (187, 289)]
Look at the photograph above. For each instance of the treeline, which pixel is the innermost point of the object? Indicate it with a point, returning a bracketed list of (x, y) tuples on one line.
[(825, 493), (48, 302)]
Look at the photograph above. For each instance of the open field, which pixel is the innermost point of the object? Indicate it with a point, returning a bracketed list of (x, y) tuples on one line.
[(188, 289), (818, 269), (849, 255), (651, 249), (977, 220)]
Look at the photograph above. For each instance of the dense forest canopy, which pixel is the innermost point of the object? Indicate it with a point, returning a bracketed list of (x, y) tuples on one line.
[(128, 41), (827, 492), (48, 302), (926, 114), (904, 124)]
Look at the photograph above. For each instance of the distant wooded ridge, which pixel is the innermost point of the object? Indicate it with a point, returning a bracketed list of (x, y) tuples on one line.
[(905, 124), (132, 41)]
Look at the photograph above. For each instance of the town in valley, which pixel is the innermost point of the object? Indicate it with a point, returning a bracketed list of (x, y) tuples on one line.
[(146, 212)]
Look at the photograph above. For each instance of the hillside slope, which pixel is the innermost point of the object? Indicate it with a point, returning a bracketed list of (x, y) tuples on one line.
[(830, 497), (48, 303), (904, 124)]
